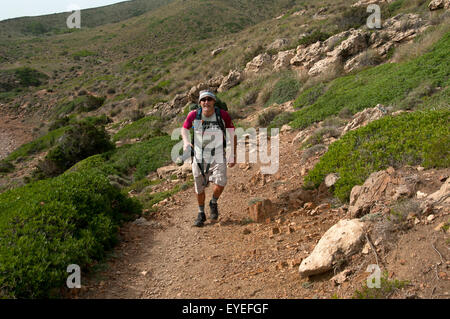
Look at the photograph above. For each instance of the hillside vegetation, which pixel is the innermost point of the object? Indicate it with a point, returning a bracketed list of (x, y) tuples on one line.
[(101, 102)]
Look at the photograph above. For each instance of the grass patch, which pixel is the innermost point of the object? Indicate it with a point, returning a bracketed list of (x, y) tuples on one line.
[(390, 141), (144, 128), (142, 158), (284, 90)]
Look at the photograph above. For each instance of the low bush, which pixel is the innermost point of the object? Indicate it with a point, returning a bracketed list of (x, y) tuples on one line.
[(281, 119), (418, 138), (142, 158), (6, 167), (71, 219), (284, 90), (30, 77), (315, 36), (80, 141)]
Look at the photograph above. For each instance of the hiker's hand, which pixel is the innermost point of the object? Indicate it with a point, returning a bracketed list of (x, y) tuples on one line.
[(186, 146), (231, 163)]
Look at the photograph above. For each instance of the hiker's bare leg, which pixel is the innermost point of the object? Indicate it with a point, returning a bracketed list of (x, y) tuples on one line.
[(201, 199), (217, 191)]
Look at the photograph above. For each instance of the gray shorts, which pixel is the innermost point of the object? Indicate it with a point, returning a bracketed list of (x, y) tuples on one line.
[(217, 174)]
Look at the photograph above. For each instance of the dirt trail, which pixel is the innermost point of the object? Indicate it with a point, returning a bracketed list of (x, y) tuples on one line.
[(169, 258), (227, 259)]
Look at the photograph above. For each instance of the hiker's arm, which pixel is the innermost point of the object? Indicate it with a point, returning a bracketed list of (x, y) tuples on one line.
[(186, 138), (232, 159)]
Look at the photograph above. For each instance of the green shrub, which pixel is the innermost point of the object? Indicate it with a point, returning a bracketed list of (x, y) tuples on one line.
[(281, 119), (284, 90), (412, 138), (82, 54), (6, 167), (36, 28), (30, 77), (310, 95), (315, 36), (385, 84), (80, 141), (71, 219), (85, 103), (144, 157)]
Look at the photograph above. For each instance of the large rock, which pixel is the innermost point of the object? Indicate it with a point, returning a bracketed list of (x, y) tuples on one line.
[(379, 190), (283, 60), (355, 43), (179, 101), (232, 79), (324, 66), (258, 63), (438, 4), (365, 117), (443, 194), (261, 210), (339, 242), (307, 57)]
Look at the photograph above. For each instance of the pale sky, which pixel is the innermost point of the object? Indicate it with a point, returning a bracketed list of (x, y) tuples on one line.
[(20, 8)]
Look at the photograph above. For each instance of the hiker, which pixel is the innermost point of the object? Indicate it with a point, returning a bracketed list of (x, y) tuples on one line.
[(209, 163)]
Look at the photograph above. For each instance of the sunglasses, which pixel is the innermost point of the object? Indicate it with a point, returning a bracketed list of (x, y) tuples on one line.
[(207, 99)]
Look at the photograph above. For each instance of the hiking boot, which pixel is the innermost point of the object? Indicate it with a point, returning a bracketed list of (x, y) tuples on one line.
[(201, 218), (214, 211)]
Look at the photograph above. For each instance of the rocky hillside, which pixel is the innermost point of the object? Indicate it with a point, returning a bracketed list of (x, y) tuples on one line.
[(363, 115)]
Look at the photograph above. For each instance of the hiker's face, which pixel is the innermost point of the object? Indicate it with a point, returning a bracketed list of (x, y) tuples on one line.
[(207, 105)]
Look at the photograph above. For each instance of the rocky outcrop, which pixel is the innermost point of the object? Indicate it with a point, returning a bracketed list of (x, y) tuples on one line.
[(438, 4), (365, 117), (381, 187), (324, 66), (216, 51), (306, 57), (355, 43), (347, 48), (179, 171), (259, 63), (283, 60), (442, 195), (365, 3), (232, 79), (338, 243)]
